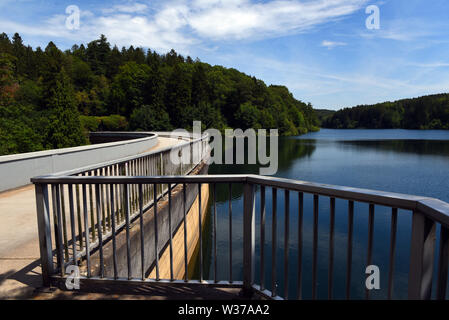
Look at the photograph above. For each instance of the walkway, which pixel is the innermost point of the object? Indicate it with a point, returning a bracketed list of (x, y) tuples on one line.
[(20, 271)]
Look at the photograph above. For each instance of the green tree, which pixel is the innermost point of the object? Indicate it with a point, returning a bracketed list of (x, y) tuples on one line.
[(97, 54), (248, 116), (63, 123), (150, 118), (178, 97), (127, 91)]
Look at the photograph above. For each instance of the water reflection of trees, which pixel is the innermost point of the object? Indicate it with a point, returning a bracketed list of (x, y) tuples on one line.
[(420, 147), (290, 150)]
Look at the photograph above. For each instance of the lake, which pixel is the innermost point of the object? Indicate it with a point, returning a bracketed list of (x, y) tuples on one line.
[(402, 161)]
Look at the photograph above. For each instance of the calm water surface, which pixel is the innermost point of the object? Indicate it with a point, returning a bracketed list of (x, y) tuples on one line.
[(402, 161)]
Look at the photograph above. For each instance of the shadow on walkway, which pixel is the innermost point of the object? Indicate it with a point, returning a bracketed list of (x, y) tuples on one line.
[(21, 284)]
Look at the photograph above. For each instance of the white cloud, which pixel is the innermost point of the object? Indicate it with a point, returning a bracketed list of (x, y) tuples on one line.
[(127, 8), (242, 19), (180, 24), (332, 44), (432, 65)]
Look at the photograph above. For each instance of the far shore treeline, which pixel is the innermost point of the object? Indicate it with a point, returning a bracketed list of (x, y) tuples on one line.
[(425, 113), (51, 98)]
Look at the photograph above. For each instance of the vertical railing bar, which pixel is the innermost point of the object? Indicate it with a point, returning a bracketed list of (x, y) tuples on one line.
[(103, 209), (230, 232), (156, 232), (370, 243), (331, 249), (64, 223), (274, 242), (108, 173), (200, 232), (349, 256), (142, 239), (286, 239), (128, 241), (394, 219), (86, 229), (132, 188), (72, 223), (215, 233), (249, 238), (162, 172), (262, 236), (185, 233), (92, 212), (315, 245), (422, 258), (44, 230), (55, 222), (300, 241), (78, 212), (114, 241), (443, 261), (100, 232), (119, 196), (59, 231), (170, 230)]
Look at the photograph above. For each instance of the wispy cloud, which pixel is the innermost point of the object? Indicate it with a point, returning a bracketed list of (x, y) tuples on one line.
[(127, 8), (432, 65), (332, 44)]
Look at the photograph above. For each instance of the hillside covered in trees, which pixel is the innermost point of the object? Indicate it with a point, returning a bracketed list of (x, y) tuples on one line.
[(52, 99), (428, 112)]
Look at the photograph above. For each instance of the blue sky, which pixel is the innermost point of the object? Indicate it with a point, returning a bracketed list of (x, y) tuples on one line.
[(320, 49)]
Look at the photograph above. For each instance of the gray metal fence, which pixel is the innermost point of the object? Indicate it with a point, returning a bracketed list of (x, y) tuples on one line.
[(85, 216), (117, 200)]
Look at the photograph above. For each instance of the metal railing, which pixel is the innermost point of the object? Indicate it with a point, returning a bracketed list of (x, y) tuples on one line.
[(97, 212), (135, 192)]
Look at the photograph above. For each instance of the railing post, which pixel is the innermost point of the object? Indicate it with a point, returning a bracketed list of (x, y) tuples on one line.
[(421, 257), (249, 240), (443, 262), (44, 229)]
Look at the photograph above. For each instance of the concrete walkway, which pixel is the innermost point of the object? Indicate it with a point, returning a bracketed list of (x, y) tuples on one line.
[(20, 273)]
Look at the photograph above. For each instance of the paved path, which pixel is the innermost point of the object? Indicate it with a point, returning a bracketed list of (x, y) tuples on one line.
[(20, 272)]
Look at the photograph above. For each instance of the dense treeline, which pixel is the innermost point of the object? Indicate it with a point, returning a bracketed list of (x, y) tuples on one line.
[(428, 112), (323, 114), (51, 99)]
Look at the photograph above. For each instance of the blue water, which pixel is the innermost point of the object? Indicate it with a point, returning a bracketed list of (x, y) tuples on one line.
[(402, 161)]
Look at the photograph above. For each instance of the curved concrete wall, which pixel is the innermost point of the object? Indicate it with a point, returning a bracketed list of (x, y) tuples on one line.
[(114, 136), (17, 170)]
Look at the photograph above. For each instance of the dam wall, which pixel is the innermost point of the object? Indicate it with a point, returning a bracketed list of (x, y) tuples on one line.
[(17, 170)]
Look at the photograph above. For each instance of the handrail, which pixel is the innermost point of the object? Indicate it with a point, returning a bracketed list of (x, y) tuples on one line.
[(435, 208), (131, 158)]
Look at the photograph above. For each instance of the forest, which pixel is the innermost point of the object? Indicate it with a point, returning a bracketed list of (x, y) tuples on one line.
[(425, 113), (51, 98)]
